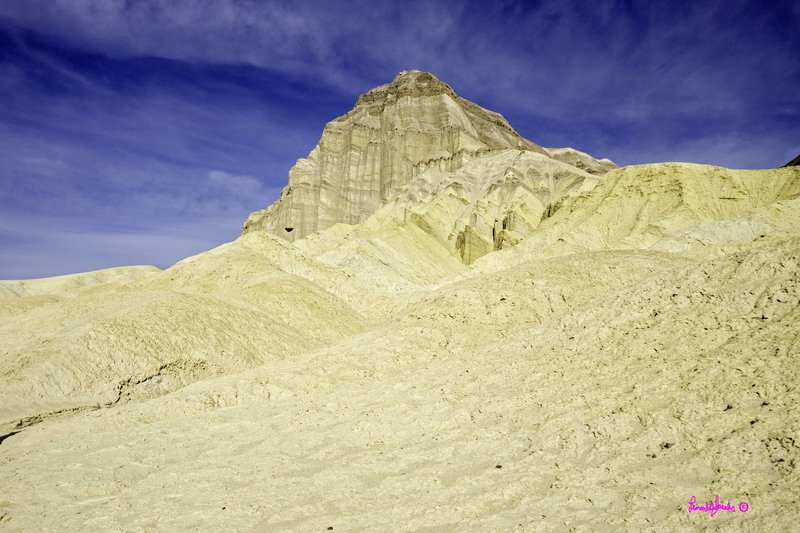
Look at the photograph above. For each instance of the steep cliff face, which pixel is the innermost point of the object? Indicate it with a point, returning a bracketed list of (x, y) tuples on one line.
[(394, 132)]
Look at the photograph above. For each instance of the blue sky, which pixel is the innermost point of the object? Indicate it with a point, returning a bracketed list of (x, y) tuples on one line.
[(142, 132)]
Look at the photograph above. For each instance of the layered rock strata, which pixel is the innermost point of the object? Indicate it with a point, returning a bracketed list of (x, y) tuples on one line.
[(395, 132)]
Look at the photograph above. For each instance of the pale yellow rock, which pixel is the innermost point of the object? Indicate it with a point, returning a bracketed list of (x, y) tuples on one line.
[(652, 206), (489, 204), (573, 374), (225, 310), (635, 346)]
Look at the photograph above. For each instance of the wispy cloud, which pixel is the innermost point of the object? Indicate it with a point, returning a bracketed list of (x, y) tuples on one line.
[(32, 253), (551, 58), (243, 187)]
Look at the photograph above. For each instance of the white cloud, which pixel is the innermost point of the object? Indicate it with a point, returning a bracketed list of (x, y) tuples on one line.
[(242, 187), (556, 58), (67, 247)]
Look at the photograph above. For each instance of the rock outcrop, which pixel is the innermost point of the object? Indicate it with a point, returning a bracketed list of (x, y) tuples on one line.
[(490, 203), (395, 132)]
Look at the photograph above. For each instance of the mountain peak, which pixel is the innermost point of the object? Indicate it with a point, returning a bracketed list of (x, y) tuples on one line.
[(418, 78), (408, 83), (395, 132)]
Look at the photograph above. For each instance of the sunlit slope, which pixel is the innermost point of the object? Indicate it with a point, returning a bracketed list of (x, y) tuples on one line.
[(224, 310), (490, 203), (400, 259), (639, 347), (555, 392)]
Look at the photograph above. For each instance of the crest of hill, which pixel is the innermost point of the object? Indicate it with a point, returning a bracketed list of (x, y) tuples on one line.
[(65, 285), (395, 132)]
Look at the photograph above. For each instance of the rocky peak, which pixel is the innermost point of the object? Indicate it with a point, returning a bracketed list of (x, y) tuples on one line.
[(407, 83), (413, 124)]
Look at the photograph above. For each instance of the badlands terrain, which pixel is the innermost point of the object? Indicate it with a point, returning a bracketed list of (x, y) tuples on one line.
[(440, 325)]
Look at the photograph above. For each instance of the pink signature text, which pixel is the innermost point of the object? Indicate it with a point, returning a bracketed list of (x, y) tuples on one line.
[(713, 507)]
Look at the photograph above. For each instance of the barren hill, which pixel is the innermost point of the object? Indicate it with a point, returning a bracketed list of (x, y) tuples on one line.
[(395, 132), (499, 337)]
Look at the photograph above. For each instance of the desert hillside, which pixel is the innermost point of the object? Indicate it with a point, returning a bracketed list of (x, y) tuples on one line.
[(462, 331)]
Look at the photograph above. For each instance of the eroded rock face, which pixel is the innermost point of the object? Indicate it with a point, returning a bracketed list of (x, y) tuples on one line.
[(394, 132), (490, 203)]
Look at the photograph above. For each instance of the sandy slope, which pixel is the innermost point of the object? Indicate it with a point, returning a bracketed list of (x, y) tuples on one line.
[(640, 347)]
